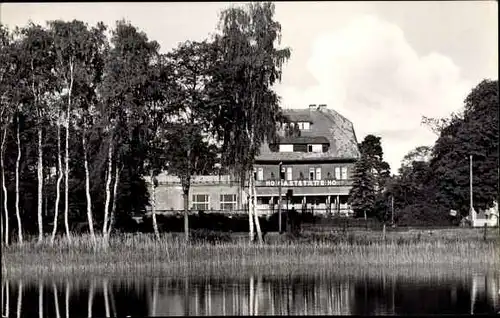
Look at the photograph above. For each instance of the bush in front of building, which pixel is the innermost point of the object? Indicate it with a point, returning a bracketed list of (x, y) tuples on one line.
[(424, 214)]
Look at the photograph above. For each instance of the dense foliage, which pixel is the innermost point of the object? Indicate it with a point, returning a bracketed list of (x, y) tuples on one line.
[(434, 180), (88, 114)]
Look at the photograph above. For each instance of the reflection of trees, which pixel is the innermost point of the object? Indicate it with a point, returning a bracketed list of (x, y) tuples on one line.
[(56, 301), (19, 297), (40, 299), (255, 295)]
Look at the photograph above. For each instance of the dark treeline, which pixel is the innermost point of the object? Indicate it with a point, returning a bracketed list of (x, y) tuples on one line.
[(434, 180), (88, 113)]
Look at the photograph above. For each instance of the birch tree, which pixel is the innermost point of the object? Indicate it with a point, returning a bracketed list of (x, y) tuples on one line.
[(38, 60), (76, 49), (5, 116), (248, 110), (124, 93)]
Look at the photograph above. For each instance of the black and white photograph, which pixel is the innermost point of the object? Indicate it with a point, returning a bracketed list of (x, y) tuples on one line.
[(225, 158)]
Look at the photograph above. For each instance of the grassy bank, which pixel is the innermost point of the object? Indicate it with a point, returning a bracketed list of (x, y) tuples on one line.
[(141, 253)]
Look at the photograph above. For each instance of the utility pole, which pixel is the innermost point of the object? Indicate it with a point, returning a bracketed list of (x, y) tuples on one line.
[(279, 197), (392, 210), (471, 210)]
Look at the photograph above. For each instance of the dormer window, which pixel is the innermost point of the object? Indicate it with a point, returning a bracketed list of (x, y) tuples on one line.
[(315, 148)]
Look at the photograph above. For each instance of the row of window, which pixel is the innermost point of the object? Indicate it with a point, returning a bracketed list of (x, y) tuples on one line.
[(303, 125), (314, 174), (202, 202)]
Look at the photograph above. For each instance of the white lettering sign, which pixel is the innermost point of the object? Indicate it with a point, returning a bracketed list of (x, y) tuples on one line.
[(298, 183)]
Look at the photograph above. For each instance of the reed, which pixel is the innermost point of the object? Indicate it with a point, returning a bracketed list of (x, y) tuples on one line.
[(142, 253)]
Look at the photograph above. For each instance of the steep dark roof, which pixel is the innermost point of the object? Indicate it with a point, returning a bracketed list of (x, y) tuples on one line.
[(327, 123)]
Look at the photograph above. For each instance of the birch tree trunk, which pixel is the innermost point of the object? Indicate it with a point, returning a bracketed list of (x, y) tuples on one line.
[(153, 207), (40, 185), (186, 214), (58, 185), (87, 190), (108, 191), (66, 158), (4, 189), (18, 160), (250, 207), (113, 207), (254, 212)]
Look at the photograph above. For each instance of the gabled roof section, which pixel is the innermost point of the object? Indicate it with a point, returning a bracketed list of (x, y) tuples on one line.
[(326, 123)]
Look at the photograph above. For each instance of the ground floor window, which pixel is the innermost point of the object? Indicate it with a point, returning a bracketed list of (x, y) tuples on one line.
[(201, 202), (228, 202)]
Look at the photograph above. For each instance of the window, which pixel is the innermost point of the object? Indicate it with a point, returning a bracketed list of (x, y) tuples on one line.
[(289, 173), (260, 174), (318, 173), (311, 173), (201, 202), (286, 148), (315, 148), (303, 125), (344, 173), (282, 173), (337, 173), (228, 202)]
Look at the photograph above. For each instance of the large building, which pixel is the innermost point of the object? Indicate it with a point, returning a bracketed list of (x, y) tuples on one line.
[(316, 164), (316, 170)]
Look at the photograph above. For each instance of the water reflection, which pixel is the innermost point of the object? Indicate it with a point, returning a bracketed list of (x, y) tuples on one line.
[(254, 295)]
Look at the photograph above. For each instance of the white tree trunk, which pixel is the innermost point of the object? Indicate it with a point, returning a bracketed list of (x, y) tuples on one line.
[(153, 208), (113, 207), (66, 158), (58, 185), (87, 190), (254, 212), (250, 207), (4, 189), (108, 191), (40, 186), (56, 301), (18, 213), (20, 288)]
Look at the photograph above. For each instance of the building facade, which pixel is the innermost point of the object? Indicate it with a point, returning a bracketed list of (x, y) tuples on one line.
[(316, 153)]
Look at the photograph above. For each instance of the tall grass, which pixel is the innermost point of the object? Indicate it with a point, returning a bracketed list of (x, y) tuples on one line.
[(133, 254)]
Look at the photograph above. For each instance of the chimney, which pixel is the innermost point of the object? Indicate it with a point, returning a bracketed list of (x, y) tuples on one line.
[(312, 106), (321, 106)]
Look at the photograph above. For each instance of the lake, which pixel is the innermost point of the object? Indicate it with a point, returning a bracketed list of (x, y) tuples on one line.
[(320, 293)]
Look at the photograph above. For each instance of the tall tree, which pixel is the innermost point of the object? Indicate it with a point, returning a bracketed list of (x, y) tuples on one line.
[(39, 62), (86, 99), (67, 42), (362, 193), (371, 148), (127, 75), (475, 133), (249, 64), (6, 113), (192, 64)]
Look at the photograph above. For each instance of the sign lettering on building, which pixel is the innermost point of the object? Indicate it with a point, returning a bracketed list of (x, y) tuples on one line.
[(300, 183)]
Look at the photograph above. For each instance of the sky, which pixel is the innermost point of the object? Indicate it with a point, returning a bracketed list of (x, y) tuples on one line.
[(383, 65)]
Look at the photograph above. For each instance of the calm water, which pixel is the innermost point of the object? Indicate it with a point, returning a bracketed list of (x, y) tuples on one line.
[(255, 295)]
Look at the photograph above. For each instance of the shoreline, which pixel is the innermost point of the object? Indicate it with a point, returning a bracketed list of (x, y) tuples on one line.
[(170, 256)]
